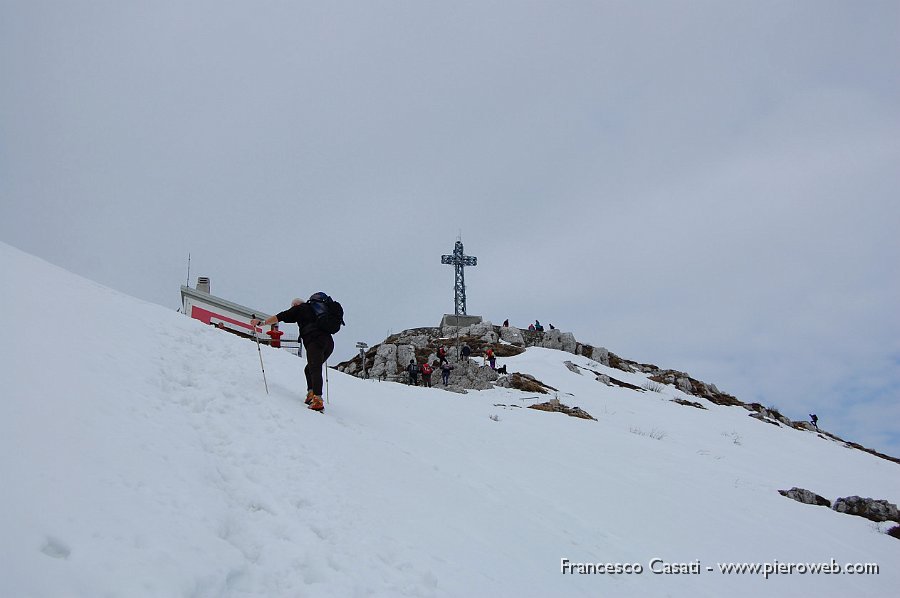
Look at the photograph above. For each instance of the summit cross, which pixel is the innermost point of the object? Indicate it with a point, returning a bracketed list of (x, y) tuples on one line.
[(459, 261)]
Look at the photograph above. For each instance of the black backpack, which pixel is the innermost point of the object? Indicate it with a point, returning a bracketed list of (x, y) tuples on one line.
[(329, 313)]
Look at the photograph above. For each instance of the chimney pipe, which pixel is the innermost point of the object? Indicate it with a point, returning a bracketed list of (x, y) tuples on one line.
[(203, 284)]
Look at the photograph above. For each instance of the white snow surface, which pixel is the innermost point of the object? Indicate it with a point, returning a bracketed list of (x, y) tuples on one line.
[(141, 456)]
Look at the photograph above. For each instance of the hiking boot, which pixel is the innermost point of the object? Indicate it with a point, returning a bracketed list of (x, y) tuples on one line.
[(309, 397), (316, 403)]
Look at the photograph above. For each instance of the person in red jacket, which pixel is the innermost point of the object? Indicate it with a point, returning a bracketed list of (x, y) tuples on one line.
[(426, 375), (276, 335), (489, 355)]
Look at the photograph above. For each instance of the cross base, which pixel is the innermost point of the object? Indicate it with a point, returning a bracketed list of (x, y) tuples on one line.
[(451, 320)]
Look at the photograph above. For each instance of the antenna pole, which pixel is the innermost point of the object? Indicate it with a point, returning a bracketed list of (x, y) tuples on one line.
[(188, 283)]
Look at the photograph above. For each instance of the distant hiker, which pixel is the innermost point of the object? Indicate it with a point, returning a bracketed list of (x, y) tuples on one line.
[(413, 370), (815, 420), (445, 372), (318, 318), (426, 375), (531, 327), (466, 351), (220, 325), (552, 327), (276, 335), (506, 323), (538, 327), (442, 353), (489, 355)]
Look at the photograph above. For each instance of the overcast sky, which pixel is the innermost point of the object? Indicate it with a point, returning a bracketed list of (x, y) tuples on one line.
[(706, 186)]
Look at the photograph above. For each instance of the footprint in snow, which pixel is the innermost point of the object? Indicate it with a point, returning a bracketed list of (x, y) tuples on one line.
[(56, 548)]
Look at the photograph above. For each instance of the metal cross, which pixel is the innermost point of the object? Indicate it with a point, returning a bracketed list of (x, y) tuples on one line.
[(459, 261)]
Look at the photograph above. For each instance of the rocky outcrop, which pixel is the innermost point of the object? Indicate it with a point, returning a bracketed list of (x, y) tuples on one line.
[(524, 382), (875, 510), (689, 403), (688, 385), (388, 361), (807, 497), (512, 335), (572, 367), (769, 415), (559, 340), (598, 354), (553, 405), (804, 425)]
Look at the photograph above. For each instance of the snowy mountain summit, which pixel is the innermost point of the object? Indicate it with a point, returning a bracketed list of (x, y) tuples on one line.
[(388, 361), (142, 456)]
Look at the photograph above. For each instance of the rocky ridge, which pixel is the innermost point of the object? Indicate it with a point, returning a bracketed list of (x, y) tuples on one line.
[(388, 361)]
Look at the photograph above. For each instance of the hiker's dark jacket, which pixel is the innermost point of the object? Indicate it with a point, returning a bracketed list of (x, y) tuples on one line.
[(305, 318)]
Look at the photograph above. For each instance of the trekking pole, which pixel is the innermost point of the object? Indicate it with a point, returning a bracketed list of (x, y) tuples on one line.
[(259, 350), (326, 383)]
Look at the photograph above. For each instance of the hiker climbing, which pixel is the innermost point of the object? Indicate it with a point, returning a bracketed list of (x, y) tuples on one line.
[(489, 356), (445, 371), (442, 353), (318, 318), (815, 420)]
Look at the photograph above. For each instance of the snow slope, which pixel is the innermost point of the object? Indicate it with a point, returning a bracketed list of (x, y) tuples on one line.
[(141, 456)]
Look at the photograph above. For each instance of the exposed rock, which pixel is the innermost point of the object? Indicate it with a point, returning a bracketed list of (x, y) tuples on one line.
[(689, 403), (528, 383), (804, 425), (598, 354), (572, 367), (617, 382), (553, 405), (601, 355), (604, 379), (876, 510), (405, 353), (768, 415), (512, 335), (860, 447), (559, 340), (806, 497), (385, 361), (483, 331), (764, 418), (620, 364)]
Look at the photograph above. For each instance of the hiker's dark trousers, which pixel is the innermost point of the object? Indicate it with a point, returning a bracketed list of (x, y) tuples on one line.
[(318, 348)]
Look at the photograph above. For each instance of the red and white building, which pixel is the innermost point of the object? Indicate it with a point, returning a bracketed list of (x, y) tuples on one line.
[(201, 305)]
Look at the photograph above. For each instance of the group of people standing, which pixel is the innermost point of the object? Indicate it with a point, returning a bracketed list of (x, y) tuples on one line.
[(442, 364), (426, 369), (536, 327)]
